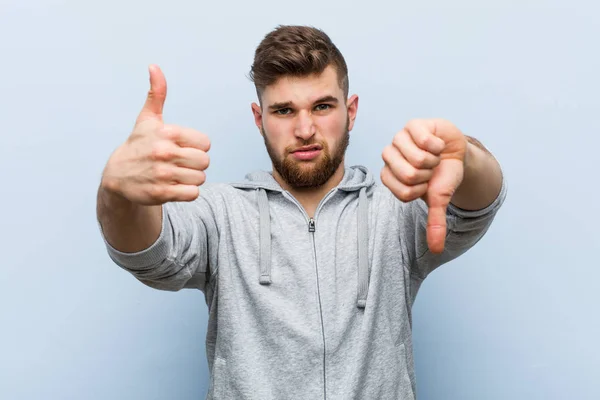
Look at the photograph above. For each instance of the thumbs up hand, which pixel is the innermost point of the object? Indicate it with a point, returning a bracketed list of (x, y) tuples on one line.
[(426, 160), (158, 163)]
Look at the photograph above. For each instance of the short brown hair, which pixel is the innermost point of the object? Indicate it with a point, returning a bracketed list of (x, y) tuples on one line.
[(293, 50)]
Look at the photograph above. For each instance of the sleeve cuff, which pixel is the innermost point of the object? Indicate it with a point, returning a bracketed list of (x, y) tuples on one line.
[(156, 253), (462, 213)]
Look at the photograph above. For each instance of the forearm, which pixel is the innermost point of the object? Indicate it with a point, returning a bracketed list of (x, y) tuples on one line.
[(127, 227), (482, 179)]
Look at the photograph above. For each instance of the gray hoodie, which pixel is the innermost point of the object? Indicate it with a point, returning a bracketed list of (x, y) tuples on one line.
[(303, 308)]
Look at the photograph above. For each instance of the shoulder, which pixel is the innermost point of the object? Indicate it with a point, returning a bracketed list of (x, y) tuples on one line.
[(221, 197)]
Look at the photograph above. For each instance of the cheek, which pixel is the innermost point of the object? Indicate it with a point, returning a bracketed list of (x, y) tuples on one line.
[(275, 134), (333, 127), (275, 128)]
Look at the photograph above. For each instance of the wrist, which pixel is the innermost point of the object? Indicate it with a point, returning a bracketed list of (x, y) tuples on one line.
[(111, 196), (472, 160), (481, 181)]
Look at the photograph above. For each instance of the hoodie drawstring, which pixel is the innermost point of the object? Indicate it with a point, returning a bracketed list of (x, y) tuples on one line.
[(363, 248), (362, 239), (265, 237)]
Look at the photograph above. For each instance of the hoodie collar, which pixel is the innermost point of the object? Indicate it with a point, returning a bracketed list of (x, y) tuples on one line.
[(355, 178)]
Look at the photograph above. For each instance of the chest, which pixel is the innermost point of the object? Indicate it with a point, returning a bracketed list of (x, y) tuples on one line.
[(313, 263)]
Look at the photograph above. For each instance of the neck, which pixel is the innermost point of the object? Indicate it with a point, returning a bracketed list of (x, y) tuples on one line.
[(310, 197)]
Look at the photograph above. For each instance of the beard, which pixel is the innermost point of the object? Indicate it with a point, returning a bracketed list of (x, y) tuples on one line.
[(308, 174)]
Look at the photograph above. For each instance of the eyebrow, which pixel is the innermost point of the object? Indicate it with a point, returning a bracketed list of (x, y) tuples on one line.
[(286, 104)]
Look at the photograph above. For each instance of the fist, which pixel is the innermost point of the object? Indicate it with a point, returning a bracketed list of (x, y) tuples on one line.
[(426, 160), (158, 163)]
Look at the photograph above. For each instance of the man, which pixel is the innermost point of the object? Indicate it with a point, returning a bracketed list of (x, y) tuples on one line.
[(309, 271)]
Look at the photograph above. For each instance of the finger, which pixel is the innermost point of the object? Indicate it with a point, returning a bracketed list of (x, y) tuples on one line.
[(195, 139), (165, 153), (186, 137), (416, 156), (402, 169), (155, 100), (168, 193), (188, 157), (167, 173), (422, 133), (403, 192), (187, 176)]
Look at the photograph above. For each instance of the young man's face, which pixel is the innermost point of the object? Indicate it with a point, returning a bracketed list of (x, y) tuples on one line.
[(305, 123)]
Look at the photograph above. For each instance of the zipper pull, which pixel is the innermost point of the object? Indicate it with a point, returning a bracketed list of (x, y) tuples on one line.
[(311, 225)]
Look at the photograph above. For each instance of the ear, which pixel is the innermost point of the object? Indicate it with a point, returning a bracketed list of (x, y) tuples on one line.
[(352, 106), (257, 112)]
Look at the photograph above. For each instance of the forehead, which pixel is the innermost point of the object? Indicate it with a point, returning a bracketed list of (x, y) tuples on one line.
[(305, 89)]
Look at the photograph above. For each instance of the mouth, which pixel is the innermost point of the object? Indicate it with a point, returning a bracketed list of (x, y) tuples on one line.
[(307, 153), (314, 147)]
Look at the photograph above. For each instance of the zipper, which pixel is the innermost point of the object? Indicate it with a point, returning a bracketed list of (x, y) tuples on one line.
[(306, 217), (311, 229)]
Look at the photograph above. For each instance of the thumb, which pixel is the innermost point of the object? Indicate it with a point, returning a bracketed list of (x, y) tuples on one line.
[(155, 100), (442, 186), (436, 228)]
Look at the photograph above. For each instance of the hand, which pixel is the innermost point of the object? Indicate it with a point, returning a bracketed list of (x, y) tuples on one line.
[(158, 163), (426, 160)]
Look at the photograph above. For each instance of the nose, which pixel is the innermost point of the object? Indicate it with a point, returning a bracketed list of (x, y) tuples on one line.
[(305, 127)]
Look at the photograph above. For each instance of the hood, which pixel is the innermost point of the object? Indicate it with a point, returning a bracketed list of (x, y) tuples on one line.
[(356, 178)]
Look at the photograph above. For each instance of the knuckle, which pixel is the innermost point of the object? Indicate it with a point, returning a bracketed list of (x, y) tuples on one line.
[(413, 123), (424, 141), (110, 183), (161, 151), (186, 193), (383, 175), (161, 172), (397, 140), (427, 140), (419, 160), (409, 175), (172, 133), (386, 155), (201, 178), (205, 161), (406, 193), (157, 192), (192, 194), (387, 177)]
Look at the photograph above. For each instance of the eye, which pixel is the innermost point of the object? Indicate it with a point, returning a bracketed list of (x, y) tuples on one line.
[(322, 107), (283, 111)]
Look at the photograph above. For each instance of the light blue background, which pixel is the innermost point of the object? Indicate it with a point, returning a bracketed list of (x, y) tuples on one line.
[(515, 318)]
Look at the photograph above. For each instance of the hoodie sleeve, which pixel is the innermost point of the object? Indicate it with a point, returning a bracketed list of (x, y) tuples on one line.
[(464, 230), (181, 257)]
